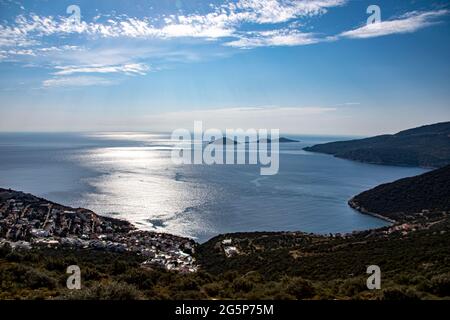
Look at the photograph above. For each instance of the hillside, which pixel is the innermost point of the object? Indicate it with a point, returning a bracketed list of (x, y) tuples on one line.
[(399, 250), (426, 146), (405, 198)]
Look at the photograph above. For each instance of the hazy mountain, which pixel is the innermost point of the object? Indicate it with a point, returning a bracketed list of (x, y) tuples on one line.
[(426, 146)]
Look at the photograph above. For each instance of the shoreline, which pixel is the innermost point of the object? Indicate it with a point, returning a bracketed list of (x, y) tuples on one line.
[(132, 229), (354, 205)]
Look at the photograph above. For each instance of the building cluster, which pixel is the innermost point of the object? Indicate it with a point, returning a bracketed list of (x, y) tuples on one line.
[(27, 221), (229, 249)]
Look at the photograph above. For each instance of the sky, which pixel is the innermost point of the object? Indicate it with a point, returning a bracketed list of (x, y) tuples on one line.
[(309, 67)]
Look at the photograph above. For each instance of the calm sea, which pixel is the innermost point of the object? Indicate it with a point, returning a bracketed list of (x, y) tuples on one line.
[(131, 176)]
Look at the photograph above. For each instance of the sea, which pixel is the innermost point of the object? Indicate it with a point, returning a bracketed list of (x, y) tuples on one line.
[(131, 176)]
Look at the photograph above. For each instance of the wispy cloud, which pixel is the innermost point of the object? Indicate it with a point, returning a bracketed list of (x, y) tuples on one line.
[(409, 22), (120, 44), (131, 68), (79, 81), (35, 52), (283, 37), (223, 21), (274, 11)]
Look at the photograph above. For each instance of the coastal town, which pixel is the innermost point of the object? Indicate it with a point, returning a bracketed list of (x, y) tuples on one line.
[(28, 222)]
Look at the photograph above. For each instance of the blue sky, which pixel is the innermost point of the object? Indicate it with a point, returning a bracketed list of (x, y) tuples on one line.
[(300, 66)]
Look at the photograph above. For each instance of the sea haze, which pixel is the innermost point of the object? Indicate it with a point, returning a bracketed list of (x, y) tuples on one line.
[(131, 176)]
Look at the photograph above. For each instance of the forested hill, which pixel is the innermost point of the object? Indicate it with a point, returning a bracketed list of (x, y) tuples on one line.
[(426, 146), (427, 193)]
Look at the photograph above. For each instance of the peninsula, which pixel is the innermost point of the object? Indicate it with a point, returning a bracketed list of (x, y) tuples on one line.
[(426, 146)]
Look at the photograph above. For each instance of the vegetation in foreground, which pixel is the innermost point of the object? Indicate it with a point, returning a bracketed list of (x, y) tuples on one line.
[(270, 266)]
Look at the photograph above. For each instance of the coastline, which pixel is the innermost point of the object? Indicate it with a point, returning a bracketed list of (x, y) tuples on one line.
[(354, 205), (100, 232)]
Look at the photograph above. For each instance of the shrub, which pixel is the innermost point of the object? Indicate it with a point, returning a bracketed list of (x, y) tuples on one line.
[(353, 286), (56, 264), (242, 285), (5, 249), (105, 291), (399, 293), (14, 256), (440, 284), (212, 289), (36, 279), (299, 288), (186, 284)]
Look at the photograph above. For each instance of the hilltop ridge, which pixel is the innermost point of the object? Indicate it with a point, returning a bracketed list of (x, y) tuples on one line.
[(407, 198), (425, 146)]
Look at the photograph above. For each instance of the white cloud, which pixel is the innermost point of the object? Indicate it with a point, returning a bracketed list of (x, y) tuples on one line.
[(63, 48), (14, 37), (18, 52), (283, 37), (13, 52), (223, 21), (130, 68), (409, 22), (274, 11), (79, 81), (145, 38)]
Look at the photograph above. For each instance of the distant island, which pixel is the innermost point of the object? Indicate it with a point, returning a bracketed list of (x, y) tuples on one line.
[(426, 146), (227, 141), (224, 141), (279, 140)]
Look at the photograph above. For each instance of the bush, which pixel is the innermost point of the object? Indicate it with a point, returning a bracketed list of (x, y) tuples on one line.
[(212, 289), (188, 295), (5, 249), (142, 279), (399, 293), (352, 287), (119, 267), (440, 284), (14, 256), (36, 279), (57, 265), (186, 284), (299, 288), (105, 291), (242, 285)]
